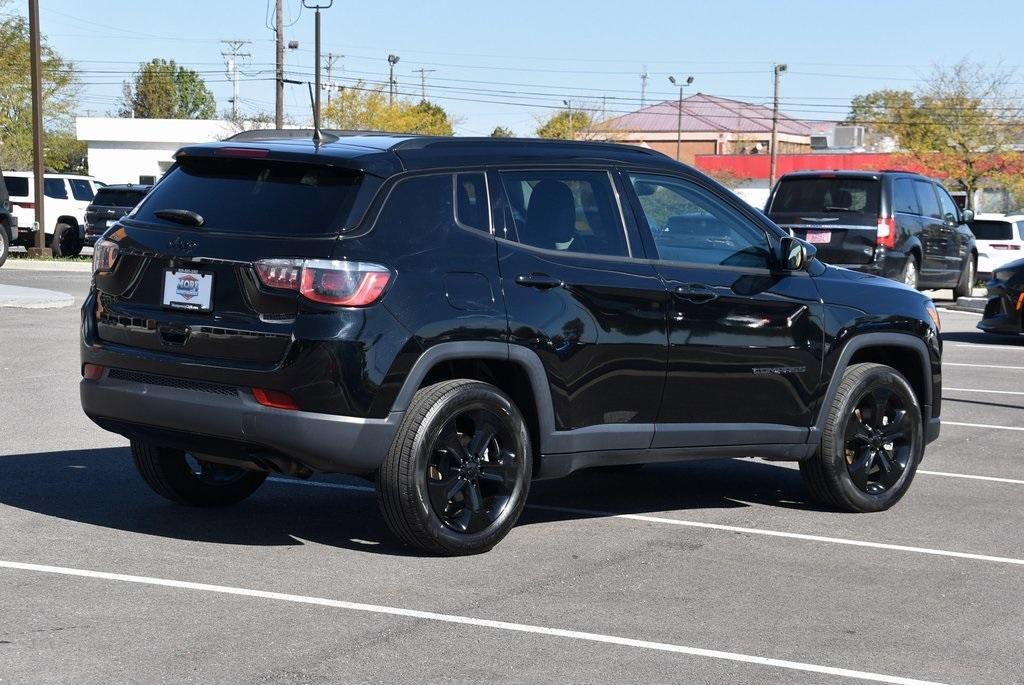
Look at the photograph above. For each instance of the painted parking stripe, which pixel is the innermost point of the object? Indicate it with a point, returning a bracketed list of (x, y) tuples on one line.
[(984, 366), (947, 310), (982, 425), (714, 526), (470, 621), (968, 476), (981, 390)]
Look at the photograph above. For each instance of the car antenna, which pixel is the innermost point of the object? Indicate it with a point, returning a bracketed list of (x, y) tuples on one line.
[(317, 136)]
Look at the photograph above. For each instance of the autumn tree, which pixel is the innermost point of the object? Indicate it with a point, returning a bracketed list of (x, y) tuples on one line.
[(566, 124), (162, 89), (364, 108), (62, 151), (502, 132)]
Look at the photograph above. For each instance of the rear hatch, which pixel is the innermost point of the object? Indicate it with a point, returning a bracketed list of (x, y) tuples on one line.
[(109, 205), (192, 290), (837, 213)]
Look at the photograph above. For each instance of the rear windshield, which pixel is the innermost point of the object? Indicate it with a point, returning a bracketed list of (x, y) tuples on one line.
[(836, 195), (992, 230), (17, 186), (108, 197), (256, 195)]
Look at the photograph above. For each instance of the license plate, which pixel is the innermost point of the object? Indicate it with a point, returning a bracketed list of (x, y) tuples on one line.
[(819, 236), (186, 289)]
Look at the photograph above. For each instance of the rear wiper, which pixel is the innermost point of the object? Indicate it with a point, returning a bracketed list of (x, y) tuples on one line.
[(181, 216), (838, 209)]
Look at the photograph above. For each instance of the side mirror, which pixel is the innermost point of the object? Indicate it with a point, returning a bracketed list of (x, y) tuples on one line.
[(796, 254), (966, 215)]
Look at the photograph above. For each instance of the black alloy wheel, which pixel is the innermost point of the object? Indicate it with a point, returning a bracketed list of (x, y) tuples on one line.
[(877, 441)]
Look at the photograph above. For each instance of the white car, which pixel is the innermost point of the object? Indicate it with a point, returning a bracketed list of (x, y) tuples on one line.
[(999, 238), (66, 197)]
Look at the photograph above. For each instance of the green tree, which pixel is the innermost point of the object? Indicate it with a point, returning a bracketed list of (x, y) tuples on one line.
[(566, 124), (502, 132), (61, 151), (363, 108), (161, 89)]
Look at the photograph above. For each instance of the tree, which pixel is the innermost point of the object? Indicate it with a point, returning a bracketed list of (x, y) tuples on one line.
[(163, 90), (363, 108), (61, 151), (566, 124), (963, 124), (502, 132)]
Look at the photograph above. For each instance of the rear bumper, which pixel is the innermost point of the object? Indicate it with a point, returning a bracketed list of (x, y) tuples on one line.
[(234, 424), (887, 264)]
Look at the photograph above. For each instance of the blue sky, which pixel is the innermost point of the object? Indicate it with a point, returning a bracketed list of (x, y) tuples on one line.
[(510, 63)]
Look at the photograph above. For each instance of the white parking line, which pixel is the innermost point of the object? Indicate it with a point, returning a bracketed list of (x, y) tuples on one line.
[(984, 366), (947, 310), (982, 425), (991, 392), (470, 621), (714, 526), (971, 477)]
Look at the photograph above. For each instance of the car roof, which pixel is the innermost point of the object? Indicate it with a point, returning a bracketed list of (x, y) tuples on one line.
[(852, 173), (48, 174), (127, 186)]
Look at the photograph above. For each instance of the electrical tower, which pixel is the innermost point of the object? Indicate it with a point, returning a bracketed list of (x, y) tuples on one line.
[(331, 59), (233, 52)]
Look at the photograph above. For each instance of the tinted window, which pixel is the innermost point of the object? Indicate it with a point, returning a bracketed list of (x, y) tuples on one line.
[(81, 189), (816, 195), (689, 224), (992, 230), (925, 192), (55, 188), (256, 196), (903, 197), (568, 211), (471, 205), (111, 197), (948, 206), (17, 186), (419, 211)]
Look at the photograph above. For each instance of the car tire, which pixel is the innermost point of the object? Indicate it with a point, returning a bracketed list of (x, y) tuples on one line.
[(912, 271), (858, 468), (66, 242), (175, 475), (965, 286), (457, 475), (5, 244)]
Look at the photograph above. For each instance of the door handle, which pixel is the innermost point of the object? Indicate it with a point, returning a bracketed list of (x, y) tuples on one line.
[(540, 281), (696, 293)]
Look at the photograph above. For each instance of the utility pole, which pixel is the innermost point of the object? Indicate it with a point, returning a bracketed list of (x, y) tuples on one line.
[(643, 87), (331, 59), (232, 55), (392, 85), (279, 69), (313, 5), (423, 81), (572, 132), (777, 69), (679, 114), (37, 128)]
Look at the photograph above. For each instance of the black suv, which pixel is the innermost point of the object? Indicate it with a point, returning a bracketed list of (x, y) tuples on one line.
[(896, 224), (454, 318), (110, 204)]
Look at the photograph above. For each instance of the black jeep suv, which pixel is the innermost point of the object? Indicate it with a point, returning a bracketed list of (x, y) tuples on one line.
[(896, 224), (454, 318), (110, 204)]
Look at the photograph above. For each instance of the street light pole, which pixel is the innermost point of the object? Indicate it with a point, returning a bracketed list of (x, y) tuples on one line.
[(679, 115), (37, 127), (778, 69), (392, 61)]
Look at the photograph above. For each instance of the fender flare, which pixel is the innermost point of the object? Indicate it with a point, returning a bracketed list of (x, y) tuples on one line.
[(861, 341)]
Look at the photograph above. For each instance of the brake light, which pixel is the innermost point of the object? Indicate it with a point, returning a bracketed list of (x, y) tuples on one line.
[(338, 282), (244, 152), (886, 236), (274, 398)]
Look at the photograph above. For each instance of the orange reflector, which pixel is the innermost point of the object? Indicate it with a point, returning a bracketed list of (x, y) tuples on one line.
[(92, 371), (1020, 301), (274, 398)]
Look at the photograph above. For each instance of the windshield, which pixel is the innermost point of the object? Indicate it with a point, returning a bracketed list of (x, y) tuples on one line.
[(825, 195), (256, 195)]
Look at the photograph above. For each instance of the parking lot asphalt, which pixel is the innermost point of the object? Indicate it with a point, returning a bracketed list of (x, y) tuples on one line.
[(702, 572)]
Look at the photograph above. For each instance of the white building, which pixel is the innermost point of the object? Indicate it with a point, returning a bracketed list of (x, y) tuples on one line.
[(141, 150)]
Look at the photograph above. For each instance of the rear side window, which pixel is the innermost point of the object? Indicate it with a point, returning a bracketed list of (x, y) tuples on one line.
[(992, 230), (903, 198), (827, 195), (256, 195), (17, 186), (925, 192), (566, 211), (471, 205), (109, 197), (55, 188), (81, 189)]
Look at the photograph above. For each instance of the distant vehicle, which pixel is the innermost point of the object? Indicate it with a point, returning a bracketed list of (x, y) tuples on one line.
[(896, 224), (110, 204), (1004, 312), (8, 223), (67, 196), (1000, 240)]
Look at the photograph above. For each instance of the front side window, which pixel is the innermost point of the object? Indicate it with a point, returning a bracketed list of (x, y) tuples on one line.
[(948, 206), (566, 211), (81, 189), (689, 224), (55, 188), (925, 192)]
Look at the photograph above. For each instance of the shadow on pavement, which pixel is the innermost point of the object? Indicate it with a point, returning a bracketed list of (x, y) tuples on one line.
[(983, 338), (100, 487)]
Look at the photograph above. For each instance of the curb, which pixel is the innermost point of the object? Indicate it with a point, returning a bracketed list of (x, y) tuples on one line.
[(19, 297), (25, 264)]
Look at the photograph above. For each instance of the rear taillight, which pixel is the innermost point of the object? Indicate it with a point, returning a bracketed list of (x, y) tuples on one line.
[(274, 398), (24, 205), (886, 236), (1002, 246), (328, 281), (104, 256)]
